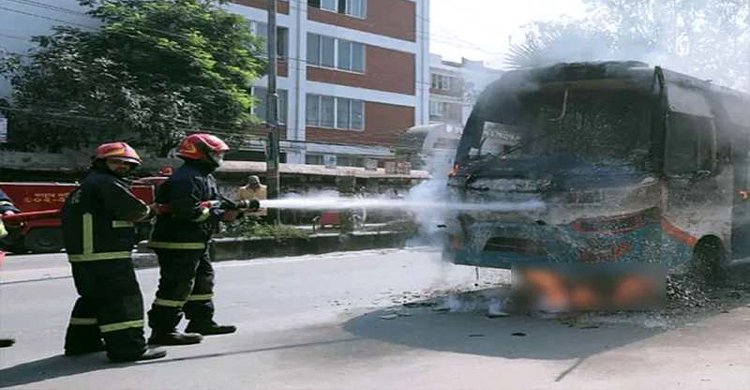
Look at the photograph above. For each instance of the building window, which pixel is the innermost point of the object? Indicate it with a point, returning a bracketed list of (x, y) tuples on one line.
[(261, 104), (335, 53), (441, 82), (356, 8), (349, 161), (335, 113), (260, 30), (314, 159), (438, 108)]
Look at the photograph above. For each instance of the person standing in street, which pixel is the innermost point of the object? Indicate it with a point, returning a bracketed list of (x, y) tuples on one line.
[(192, 211), (254, 191), (6, 209), (99, 235)]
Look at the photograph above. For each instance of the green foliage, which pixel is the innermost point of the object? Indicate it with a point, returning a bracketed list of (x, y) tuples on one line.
[(152, 71)]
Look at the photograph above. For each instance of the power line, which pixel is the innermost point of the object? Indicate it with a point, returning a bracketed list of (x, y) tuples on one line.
[(47, 17), (49, 7), (213, 130)]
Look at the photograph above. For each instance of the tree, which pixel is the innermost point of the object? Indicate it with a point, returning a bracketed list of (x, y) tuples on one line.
[(548, 43), (705, 38), (152, 71)]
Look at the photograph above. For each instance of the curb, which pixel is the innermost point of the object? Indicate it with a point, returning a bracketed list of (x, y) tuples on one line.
[(224, 249)]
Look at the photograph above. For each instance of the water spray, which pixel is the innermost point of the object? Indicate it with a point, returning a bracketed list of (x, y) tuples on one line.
[(340, 203)]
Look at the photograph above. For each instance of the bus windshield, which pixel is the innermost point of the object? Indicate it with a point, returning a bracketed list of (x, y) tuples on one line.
[(607, 126)]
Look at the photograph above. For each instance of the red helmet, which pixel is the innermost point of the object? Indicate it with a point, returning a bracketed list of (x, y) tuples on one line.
[(198, 146), (118, 150)]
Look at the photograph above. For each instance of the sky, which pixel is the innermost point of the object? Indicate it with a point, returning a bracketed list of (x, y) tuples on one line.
[(482, 29)]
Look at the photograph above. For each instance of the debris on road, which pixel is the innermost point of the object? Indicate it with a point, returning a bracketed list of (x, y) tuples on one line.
[(519, 334)]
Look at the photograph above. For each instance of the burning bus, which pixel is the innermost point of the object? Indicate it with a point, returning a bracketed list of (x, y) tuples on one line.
[(633, 165)]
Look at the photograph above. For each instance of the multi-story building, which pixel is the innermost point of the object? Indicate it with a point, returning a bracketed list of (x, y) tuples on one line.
[(353, 74), (454, 88)]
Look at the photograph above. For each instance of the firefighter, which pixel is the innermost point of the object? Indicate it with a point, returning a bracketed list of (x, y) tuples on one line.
[(180, 239), (6, 209), (99, 235)]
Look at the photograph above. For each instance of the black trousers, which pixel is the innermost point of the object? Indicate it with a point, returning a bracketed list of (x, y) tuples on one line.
[(186, 284), (109, 307)]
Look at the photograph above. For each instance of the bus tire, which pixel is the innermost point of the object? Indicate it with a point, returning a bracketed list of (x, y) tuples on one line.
[(44, 240), (708, 259)]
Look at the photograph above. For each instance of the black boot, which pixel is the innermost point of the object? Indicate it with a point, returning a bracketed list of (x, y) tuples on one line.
[(7, 342), (174, 338), (148, 354), (208, 328)]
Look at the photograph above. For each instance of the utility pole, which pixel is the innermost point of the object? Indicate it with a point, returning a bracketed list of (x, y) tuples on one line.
[(273, 148)]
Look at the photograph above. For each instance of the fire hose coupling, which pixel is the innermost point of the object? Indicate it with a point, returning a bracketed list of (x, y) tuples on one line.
[(244, 204)]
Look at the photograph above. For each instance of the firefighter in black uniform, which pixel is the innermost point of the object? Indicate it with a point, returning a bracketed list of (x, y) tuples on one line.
[(99, 235), (191, 211), (6, 208)]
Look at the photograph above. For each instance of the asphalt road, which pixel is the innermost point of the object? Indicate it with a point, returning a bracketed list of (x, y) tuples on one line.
[(337, 322)]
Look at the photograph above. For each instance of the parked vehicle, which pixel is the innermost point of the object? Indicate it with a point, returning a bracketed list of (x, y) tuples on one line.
[(37, 228)]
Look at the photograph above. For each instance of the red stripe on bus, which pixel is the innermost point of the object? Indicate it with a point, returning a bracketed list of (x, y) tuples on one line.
[(677, 233)]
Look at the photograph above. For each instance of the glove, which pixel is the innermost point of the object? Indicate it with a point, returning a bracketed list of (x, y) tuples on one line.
[(217, 214)]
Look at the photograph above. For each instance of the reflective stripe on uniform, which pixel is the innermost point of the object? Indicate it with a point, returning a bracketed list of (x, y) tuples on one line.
[(176, 245), (5, 203), (99, 256), (168, 302), (201, 297), (3, 232), (122, 224), (205, 213), (120, 326), (83, 321), (88, 233)]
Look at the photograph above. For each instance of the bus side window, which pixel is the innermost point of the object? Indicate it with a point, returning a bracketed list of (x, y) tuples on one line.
[(691, 144)]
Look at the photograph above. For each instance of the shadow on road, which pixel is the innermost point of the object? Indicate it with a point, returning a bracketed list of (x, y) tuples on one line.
[(62, 366), (55, 367), (517, 336)]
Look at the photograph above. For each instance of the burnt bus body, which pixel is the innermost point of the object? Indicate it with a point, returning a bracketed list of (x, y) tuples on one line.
[(633, 164)]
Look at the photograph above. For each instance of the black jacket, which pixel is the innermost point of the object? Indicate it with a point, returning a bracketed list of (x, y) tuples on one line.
[(188, 225), (98, 218)]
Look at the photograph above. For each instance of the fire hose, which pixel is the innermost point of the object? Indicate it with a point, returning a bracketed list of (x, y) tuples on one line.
[(23, 217), (226, 204)]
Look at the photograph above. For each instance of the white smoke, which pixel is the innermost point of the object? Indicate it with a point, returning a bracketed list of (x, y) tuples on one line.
[(709, 39)]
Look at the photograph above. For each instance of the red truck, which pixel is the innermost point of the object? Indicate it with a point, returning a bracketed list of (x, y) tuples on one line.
[(37, 228)]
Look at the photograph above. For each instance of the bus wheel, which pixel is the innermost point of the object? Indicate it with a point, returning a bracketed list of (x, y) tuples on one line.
[(708, 259), (44, 240)]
